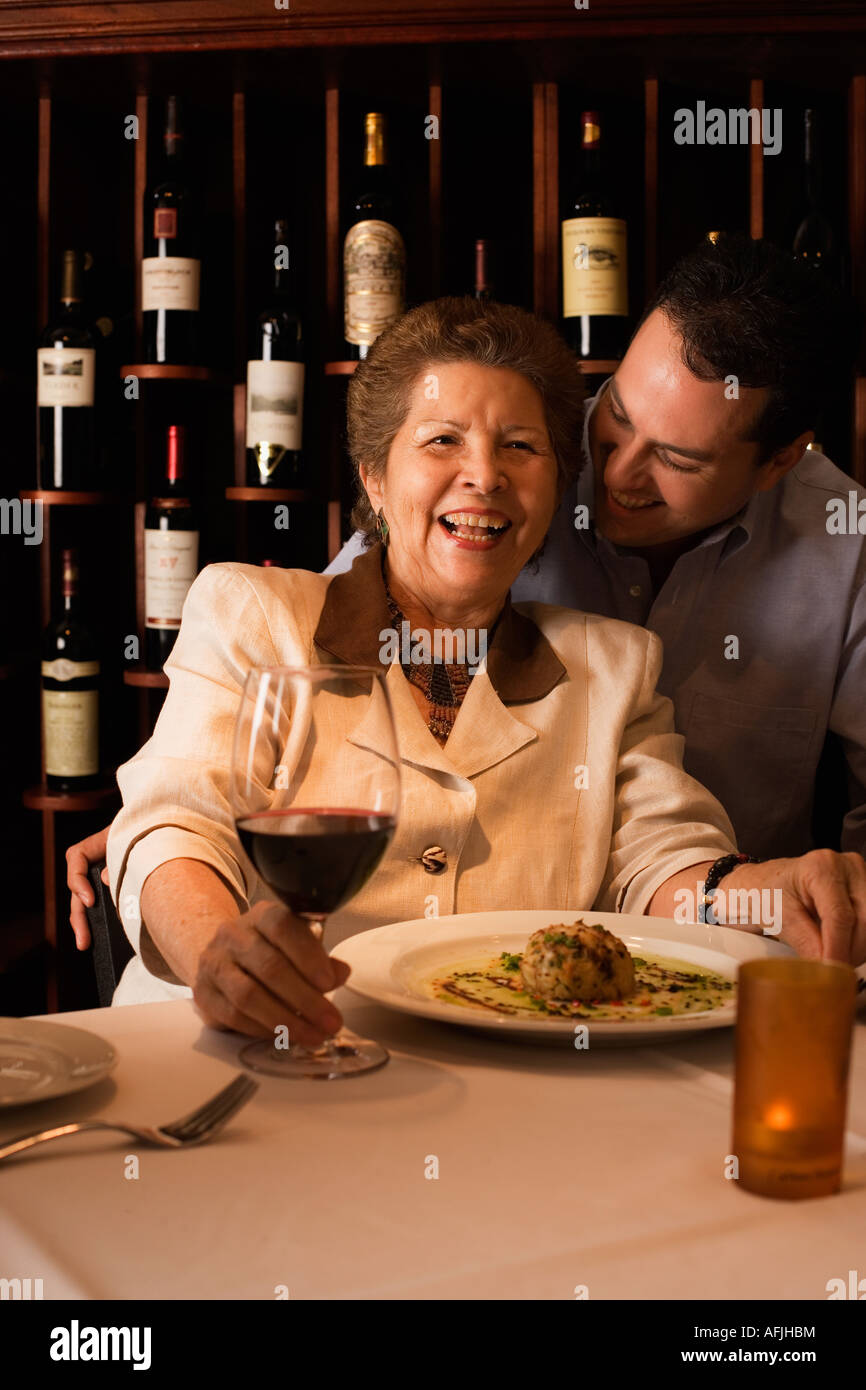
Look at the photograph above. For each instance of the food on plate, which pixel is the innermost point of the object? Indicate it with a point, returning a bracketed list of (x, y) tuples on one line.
[(579, 962), (663, 986)]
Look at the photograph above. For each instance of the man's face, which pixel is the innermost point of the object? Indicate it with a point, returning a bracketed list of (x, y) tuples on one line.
[(672, 456)]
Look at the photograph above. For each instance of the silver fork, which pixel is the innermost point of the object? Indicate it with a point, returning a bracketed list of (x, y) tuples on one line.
[(201, 1125)]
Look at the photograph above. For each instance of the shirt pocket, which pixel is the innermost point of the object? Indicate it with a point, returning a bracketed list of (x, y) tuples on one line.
[(755, 759)]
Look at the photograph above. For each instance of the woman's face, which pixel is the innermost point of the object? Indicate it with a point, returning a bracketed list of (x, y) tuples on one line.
[(470, 486)]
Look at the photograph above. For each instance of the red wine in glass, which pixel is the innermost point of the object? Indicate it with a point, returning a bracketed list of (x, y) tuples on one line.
[(315, 860)]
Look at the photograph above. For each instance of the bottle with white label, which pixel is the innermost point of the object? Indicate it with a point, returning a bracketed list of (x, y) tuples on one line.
[(171, 539), (275, 379), (594, 264), (170, 267), (374, 257), (70, 693), (65, 394)]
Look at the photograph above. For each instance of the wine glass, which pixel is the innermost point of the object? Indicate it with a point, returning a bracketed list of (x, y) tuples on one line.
[(315, 791)]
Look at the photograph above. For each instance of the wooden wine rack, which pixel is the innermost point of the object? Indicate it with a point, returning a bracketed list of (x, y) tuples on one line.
[(344, 56)]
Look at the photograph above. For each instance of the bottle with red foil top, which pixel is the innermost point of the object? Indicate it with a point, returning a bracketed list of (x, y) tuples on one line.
[(171, 543), (70, 693), (171, 265)]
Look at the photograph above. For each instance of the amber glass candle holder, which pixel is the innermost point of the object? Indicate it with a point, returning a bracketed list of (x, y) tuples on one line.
[(794, 1023)]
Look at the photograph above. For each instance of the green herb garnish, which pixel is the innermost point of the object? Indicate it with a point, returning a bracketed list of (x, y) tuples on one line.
[(509, 961)]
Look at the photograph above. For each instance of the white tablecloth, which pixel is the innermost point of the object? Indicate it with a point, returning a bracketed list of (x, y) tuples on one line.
[(557, 1168)]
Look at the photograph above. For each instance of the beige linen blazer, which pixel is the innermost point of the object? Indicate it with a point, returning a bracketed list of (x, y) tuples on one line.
[(561, 785)]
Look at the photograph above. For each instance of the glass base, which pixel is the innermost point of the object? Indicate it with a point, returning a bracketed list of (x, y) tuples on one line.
[(342, 1056)]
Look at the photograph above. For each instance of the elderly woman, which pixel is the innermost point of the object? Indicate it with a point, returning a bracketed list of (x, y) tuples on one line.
[(550, 777)]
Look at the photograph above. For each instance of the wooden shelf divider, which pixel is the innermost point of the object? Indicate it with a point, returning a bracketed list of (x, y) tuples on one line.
[(141, 677), (175, 371), (270, 494), (756, 167), (61, 497), (651, 185), (545, 198), (857, 243), (39, 798)]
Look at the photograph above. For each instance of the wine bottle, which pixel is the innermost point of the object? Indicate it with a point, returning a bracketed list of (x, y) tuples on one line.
[(170, 268), (275, 380), (70, 693), (171, 539), (483, 286), (814, 242), (65, 390), (374, 256), (594, 270)]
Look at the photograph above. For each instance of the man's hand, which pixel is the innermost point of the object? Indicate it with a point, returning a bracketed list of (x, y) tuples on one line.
[(265, 969), (822, 905), (78, 859)]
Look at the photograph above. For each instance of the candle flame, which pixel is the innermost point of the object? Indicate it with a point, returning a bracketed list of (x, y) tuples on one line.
[(779, 1116)]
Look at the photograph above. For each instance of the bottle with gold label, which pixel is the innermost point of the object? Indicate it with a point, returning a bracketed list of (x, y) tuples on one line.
[(594, 264), (70, 693), (374, 257)]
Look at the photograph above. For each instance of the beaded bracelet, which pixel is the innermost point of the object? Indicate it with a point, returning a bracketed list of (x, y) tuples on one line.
[(716, 874)]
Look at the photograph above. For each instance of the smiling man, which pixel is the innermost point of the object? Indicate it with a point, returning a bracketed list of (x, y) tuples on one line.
[(703, 516)]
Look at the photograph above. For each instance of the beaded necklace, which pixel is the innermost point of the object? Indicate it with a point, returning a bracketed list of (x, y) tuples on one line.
[(442, 683)]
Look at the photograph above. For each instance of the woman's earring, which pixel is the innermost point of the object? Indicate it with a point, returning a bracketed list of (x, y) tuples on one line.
[(382, 527)]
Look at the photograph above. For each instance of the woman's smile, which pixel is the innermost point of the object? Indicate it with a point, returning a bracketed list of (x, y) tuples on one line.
[(471, 528)]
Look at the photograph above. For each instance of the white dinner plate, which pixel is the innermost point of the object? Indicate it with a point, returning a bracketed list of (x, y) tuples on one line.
[(389, 963), (39, 1060)]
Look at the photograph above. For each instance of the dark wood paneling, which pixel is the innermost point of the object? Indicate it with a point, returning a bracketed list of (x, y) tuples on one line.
[(47, 27)]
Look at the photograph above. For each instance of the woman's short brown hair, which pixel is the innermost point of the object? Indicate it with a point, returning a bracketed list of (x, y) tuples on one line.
[(459, 330)]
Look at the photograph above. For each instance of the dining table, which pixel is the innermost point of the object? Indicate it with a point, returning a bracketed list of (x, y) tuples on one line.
[(471, 1166)]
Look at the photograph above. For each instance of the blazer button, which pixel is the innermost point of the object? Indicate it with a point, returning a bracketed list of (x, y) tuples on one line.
[(434, 859)]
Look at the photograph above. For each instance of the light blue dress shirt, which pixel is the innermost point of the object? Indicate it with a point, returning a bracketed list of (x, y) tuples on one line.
[(763, 623)]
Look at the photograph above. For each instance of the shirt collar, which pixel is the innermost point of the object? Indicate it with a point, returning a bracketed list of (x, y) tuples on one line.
[(521, 663)]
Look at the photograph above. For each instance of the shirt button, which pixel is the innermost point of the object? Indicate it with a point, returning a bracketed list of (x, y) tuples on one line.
[(434, 859), (635, 591)]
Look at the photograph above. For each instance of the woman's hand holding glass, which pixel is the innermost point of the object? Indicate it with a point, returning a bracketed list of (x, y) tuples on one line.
[(265, 970)]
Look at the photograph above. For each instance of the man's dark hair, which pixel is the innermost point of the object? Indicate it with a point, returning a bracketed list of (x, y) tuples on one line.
[(747, 309)]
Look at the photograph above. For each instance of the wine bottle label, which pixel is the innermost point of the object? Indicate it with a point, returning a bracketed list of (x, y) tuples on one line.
[(70, 721), (170, 566), (62, 669), (594, 268), (169, 282), (65, 376), (374, 271), (275, 403)]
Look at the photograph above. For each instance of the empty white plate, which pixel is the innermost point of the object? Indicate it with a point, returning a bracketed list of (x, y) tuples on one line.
[(39, 1060)]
